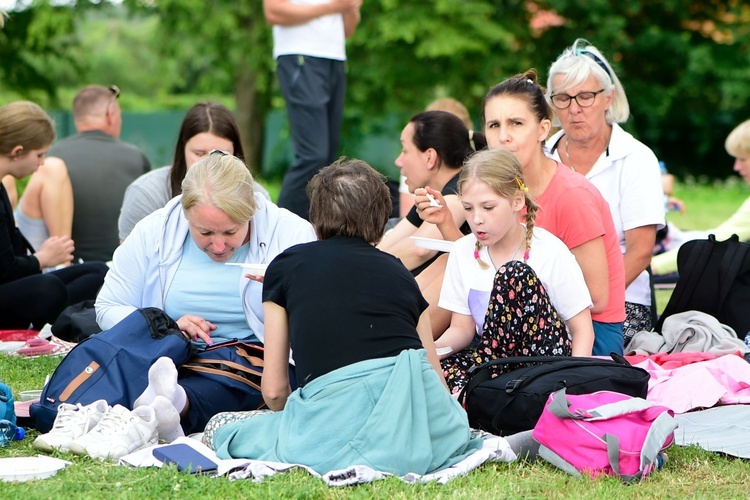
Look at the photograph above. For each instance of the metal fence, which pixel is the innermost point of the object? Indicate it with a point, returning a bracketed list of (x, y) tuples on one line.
[(155, 133)]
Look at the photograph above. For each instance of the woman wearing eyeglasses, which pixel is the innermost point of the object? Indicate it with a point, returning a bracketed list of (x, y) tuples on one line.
[(589, 102)]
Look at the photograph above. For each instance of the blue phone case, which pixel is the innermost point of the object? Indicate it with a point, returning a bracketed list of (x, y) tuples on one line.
[(186, 458)]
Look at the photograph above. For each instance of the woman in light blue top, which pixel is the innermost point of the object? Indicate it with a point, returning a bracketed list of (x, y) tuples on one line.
[(175, 260)]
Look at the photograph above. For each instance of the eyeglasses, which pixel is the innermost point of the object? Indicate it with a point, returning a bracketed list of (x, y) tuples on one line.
[(115, 94), (583, 99)]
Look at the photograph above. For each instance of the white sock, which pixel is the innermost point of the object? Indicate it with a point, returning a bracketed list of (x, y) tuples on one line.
[(168, 419), (162, 381)]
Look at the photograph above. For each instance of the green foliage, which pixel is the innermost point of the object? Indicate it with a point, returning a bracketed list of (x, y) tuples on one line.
[(684, 66), (31, 40), (219, 46), (684, 63)]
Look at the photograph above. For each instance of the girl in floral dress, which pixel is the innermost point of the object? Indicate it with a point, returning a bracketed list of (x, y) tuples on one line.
[(518, 286)]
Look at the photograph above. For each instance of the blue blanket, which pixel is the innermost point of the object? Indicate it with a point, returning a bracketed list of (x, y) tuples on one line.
[(390, 414)]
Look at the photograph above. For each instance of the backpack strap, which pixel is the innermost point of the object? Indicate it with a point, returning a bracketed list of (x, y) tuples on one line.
[(660, 432), (730, 266), (560, 407)]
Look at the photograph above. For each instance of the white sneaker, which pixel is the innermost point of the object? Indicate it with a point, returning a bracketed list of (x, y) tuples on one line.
[(118, 433), (72, 422)]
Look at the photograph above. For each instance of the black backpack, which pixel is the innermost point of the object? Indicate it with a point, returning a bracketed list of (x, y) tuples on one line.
[(513, 402), (714, 279)]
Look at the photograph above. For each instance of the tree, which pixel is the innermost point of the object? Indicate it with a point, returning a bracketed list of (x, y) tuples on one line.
[(29, 42), (220, 47), (684, 65)]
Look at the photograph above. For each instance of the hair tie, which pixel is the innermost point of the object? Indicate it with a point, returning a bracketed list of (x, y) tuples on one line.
[(521, 185), (476, 254), (530, 81)]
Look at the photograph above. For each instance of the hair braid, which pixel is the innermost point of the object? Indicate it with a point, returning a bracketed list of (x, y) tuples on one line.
[(530, 217), (477, 248)]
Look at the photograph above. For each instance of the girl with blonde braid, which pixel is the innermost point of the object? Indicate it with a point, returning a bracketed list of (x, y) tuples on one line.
[(517, 285)]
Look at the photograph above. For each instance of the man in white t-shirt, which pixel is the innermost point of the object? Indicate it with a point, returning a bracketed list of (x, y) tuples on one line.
[(309, 47)]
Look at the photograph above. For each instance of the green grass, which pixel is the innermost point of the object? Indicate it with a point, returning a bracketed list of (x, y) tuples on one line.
[(689, 471)]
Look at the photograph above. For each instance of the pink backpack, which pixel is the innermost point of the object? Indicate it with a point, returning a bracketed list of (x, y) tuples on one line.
[(604, 433)]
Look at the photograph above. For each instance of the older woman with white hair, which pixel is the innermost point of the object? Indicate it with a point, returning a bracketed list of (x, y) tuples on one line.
[(589, 103)]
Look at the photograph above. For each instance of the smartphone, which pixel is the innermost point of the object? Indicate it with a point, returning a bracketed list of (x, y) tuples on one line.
[(186, 458)]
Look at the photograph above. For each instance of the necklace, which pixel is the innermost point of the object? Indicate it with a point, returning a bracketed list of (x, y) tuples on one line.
[(513, 257), (567, 155)]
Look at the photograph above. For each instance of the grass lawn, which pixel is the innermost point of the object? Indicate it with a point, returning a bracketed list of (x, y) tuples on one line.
[(688, 471)]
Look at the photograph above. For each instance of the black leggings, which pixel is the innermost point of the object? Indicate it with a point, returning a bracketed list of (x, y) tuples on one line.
[(39, 299)]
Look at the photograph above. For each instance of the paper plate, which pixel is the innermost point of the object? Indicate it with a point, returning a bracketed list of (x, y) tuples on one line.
[(29, 468), (433, 244), (11, 346), (30, 395), (254, 269)]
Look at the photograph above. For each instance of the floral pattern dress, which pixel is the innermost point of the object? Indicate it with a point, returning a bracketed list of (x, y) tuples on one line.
[(520, 321)]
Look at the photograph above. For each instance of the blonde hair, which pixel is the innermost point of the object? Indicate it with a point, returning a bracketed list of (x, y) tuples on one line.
[(580, 61), (452, 106), (24, 123), (738, 141), (223, 181), (502, 172)]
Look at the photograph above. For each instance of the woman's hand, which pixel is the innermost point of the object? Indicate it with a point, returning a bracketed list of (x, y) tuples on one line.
[(255, 277), (55, 250), (194, 327), (435, 210)]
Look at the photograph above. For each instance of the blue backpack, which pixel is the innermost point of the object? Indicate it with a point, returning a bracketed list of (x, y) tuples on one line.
[(112, 365), (7, 407)]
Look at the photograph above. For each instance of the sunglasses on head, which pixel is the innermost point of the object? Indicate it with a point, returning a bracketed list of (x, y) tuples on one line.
[(584, 51), (115, 94)]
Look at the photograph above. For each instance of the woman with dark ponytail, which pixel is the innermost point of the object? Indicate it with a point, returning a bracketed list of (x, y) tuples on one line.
[(434, 145)]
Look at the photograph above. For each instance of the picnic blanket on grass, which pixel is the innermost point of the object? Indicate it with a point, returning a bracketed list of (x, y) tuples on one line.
[(724, 429), (494, 449)]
